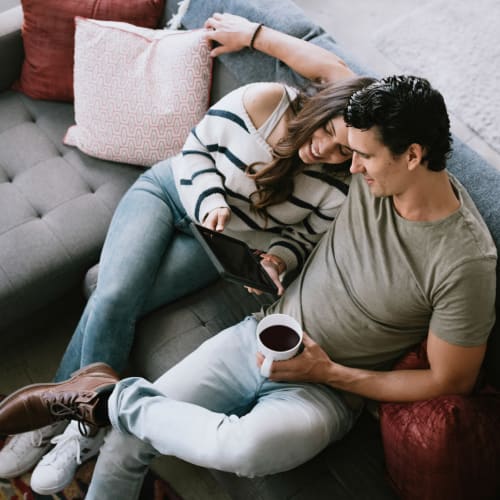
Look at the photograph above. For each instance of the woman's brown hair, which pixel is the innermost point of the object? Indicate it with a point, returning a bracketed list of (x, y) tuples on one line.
[(275, 181)]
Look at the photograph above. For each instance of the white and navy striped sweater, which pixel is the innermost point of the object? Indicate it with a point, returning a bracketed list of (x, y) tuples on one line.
[(210, 173)]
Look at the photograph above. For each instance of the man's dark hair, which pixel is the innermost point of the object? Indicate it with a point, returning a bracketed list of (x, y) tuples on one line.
[(405, 110)]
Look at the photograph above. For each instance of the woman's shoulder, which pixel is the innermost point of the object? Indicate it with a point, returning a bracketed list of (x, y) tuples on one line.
[(261, 99)]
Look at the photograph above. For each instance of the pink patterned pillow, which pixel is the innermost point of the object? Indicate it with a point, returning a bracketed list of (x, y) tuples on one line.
[(138, 91)]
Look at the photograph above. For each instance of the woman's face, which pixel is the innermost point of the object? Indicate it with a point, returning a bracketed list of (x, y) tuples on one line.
[(328, 144)]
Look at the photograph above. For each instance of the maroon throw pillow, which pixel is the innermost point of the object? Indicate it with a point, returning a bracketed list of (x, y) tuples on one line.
[(444, 448), (48, 38)]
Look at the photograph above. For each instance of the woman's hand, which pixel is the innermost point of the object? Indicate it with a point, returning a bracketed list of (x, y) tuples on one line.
[(232, 32), (274, 267), (311, 365), (217, 218)]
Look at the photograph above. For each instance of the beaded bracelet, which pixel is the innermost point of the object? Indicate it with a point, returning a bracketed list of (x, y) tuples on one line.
[(250, 46)]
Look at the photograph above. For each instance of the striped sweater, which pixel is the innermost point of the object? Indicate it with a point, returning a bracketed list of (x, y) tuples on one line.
[(210, 173)]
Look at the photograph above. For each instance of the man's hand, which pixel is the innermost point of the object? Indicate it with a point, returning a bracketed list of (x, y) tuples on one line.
[(232, 32), (311, 365), (216, 219), (274, 266)]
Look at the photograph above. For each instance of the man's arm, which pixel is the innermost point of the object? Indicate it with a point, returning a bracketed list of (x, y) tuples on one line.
[(233, 33), (453, 370)]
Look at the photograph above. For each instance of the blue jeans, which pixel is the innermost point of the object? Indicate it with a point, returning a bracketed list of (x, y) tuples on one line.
[(149, 258), (214, 409)]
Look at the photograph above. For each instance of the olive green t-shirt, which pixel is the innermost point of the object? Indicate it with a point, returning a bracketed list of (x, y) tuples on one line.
[(376, 283)]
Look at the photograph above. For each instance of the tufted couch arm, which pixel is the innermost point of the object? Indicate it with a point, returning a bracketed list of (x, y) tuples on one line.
[(11, 46)]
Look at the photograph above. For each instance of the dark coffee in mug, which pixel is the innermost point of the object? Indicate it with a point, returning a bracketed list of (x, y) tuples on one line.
[(279, 338)]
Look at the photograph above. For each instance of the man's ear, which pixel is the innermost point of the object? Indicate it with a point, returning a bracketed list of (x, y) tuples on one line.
[(415, 154)]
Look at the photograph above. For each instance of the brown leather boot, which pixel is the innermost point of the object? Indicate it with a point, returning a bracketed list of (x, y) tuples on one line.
[(83, 398)]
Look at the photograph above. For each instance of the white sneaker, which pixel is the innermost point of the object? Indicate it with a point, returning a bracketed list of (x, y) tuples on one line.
[(23, 451), (57, 468)]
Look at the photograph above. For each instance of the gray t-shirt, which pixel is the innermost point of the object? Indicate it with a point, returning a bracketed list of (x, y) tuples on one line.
[(376, 283)]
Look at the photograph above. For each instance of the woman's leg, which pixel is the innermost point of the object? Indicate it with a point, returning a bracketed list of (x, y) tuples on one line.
[(148, 234), (215, 410)]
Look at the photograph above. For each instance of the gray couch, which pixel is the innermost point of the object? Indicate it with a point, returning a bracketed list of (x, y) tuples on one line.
[(55, 206)]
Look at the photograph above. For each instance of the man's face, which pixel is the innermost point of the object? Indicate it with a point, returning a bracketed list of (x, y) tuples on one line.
[(385, 174)]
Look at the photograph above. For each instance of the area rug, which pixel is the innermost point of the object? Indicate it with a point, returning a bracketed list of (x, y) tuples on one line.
[(456, 45), (154, 488)]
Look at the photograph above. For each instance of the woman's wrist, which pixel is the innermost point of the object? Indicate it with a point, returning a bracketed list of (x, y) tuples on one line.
[(255, 33)]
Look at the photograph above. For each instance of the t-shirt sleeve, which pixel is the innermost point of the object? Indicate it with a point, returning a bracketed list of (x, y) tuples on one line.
[(464, 305)]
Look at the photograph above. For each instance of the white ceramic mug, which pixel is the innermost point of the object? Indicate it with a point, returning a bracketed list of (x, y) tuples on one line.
[(279, 337)]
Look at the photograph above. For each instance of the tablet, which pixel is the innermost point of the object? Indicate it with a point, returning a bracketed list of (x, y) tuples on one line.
[(234, 259)]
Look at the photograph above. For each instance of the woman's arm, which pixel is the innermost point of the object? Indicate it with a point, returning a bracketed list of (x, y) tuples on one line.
[(234, 33), (201, 185)]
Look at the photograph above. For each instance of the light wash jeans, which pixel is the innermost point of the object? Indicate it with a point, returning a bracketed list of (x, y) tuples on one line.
[(149, 258), (214, 409)]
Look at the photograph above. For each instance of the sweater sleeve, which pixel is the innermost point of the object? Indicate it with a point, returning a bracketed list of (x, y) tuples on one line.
[(201, 185), (295, 242)]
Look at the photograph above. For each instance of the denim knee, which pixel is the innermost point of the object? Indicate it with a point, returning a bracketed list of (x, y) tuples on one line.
[(124, 452)]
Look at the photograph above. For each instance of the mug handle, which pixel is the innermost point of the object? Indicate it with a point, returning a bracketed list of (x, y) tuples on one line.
[(265, 368)]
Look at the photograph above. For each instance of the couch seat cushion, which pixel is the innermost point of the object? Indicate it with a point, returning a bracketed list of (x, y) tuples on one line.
[(55, 205)]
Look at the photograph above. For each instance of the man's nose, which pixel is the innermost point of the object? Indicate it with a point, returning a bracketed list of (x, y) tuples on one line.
[(356, 165)]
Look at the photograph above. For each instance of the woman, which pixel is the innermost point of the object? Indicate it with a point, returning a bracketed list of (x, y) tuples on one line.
[(253, 168)]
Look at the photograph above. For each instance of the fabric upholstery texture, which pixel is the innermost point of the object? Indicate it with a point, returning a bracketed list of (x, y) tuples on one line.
[(445, 447), (138, 91), (56, 204), (482, 182), (11, 55), (48, 37)]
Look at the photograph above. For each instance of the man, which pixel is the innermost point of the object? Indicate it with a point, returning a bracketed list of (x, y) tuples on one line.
[(408, 258)]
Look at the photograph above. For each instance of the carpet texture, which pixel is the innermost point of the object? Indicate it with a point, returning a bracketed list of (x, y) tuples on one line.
[(456, 45), (154, 488)]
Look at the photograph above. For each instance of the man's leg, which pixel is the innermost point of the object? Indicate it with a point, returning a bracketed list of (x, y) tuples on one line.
[(214, 409)]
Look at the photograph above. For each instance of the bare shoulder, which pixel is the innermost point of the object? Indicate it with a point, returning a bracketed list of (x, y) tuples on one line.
[(261, 99)]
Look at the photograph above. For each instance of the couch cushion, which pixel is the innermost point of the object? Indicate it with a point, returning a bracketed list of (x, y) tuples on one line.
[(48, 35), (173, 331), (138, 91), (445, 447), (11, 46), (482, 182), (55, 205)]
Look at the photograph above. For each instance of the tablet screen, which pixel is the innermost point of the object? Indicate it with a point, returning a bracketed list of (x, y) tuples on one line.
[(234, 259)]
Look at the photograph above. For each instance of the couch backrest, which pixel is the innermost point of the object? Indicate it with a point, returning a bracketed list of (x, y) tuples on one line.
[(482, 181), (11, 46)]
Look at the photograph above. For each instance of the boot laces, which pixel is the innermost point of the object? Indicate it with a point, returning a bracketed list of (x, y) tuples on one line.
[(65, 406)]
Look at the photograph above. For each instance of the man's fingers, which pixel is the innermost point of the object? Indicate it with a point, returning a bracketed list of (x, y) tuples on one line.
[(308, 341)]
